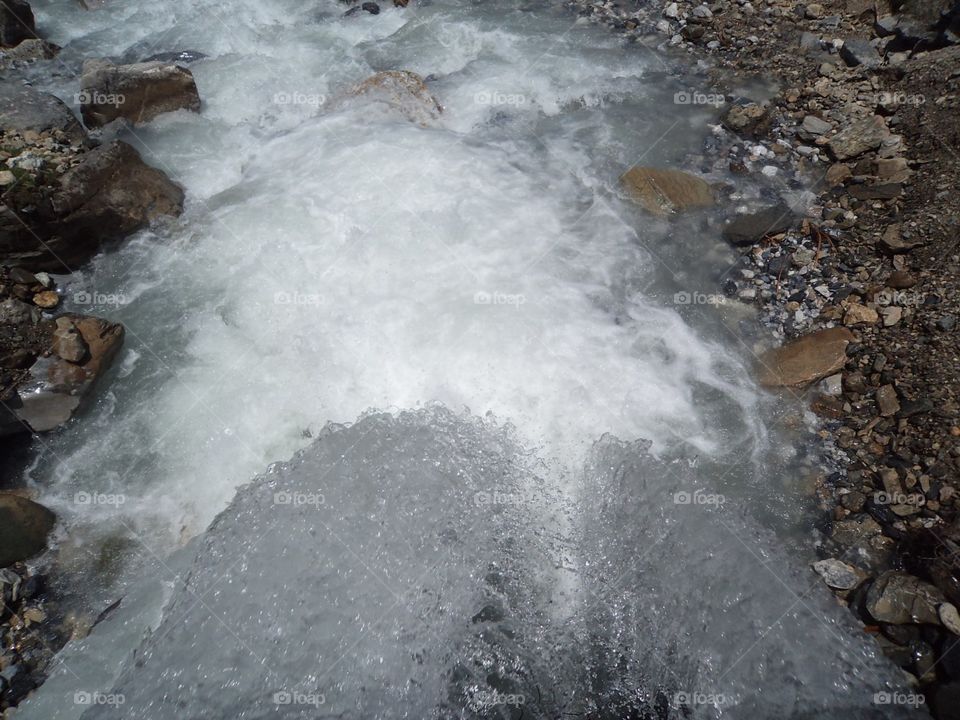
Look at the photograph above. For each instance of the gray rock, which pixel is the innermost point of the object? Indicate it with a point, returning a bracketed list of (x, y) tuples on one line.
[(24, 527), (859, 52), (137, 93), (899, 598), (23, 108), (702, 11), (815, 126), (16, 22), (838, 574), (15, 312), (753, 227)]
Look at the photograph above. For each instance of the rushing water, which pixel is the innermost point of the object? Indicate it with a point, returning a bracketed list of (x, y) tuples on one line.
[(334, 257)]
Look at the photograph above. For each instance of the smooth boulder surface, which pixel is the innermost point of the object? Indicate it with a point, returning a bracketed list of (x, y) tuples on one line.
[(24, 527), (663, 191), (110, 194), (807, 359), (23, 108), (137, 93)]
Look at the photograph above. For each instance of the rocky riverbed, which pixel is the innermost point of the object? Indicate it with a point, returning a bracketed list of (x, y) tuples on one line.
[(849, 253)]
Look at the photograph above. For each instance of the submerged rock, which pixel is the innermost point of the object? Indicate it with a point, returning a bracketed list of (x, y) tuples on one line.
[(663, 191), (403, 90), (138, 92), (807, 359), (24, 527)]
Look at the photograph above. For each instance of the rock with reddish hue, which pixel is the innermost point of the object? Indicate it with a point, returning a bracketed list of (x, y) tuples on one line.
[(137, 93), (662, 191), (806, 360)]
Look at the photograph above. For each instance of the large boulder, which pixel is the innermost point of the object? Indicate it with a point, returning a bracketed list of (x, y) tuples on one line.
[(22, 108), (24, 527), (16, 22), (925, 25), (137, 93), (807, 359), (662, 191), (404, 91), (83, 348), (111, 193)]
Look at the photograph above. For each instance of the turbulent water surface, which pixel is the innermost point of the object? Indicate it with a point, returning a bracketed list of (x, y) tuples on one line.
[(545, 489)]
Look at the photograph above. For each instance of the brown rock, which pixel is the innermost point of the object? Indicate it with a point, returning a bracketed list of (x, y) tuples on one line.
[(898, 598), (663, 191), (137, 92), (858, 314), (68, 343), (805, 360), (887, 401), (403, 90), (46, 299), (24, 527), (858, 138)]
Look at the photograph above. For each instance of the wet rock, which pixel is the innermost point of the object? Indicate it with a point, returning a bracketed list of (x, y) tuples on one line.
[(404, 91), (371, 7), (859, 52), (806, 360), (48, 299), (16, 22), (663, 191), (883, 191), (137, 93), (68, 343), (108, 195), (56, 386), (753, 227), (899, 598), (24, 109), (949, 617), (24, 527), (864, 535), (181, 57), (858, 138), (838, 574), (26, 52)]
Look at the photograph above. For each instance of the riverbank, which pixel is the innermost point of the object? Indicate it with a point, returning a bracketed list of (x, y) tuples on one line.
[(867, 116)]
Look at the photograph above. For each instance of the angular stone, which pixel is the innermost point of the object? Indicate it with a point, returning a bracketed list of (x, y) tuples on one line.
[(884, 191), (893, 242), (859, 52), (751, 228), (22, 109), (887, 401), (663, 191), (815, 126), (899, 598), (138, 92), (858, 138), (404, 91), (858, 314), (16, 22), (68, 343), (806, 360), (838, 574)]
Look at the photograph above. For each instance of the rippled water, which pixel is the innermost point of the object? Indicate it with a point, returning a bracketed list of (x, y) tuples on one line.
[(333, 258)]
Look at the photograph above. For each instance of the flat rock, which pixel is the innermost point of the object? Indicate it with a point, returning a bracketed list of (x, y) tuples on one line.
[(17, 312), (806, 360), (22, 108), (899, 598), (858, 314), (816, 126), (858, 138), (137, 93), (753, 227), (109, 195), (838, 574), (894, 243), (24, 528), (880, 191), (663, 191)]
